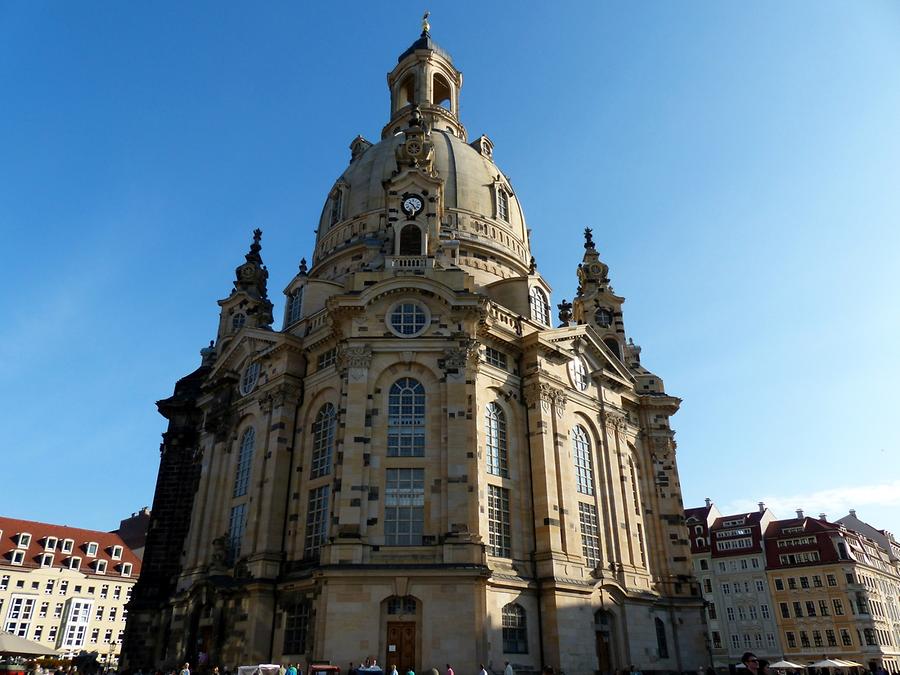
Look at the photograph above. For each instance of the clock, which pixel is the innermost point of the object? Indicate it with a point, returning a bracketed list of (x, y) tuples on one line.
[(412, 205), (413, 148), (247, 272)]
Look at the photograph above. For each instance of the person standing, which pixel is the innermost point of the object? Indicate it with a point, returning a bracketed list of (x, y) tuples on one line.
[(450, 670), (509, 669), (751, 662), (483, 671), (291, 669), (186, 669)]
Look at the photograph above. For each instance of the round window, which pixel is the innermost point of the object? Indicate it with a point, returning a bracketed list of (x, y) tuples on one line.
[(408, 319), (578, 373), (249, 378), (604, 317)]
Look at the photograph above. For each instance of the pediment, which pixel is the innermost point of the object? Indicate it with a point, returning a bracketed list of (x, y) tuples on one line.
[(248, 342), (585, 341)]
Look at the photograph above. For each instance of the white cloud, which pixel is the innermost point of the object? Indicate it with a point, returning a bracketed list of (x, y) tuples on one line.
[(835, 502)]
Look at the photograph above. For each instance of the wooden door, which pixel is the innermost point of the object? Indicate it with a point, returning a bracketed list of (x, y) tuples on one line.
[(401, 636)]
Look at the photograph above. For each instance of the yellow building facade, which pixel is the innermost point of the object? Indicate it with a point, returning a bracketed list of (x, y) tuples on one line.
[(419, 467)]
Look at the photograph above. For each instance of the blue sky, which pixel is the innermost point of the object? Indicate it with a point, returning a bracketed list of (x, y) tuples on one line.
[(737, 161)]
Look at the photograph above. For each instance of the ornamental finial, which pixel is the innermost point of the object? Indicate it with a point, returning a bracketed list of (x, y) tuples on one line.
[(588, 238), (303, 269), (425, 25)]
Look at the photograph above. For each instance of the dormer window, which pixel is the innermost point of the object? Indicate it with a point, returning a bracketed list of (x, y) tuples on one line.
[(502, 204), (17, 557), (540, 307), (46, 560), (337, 206), (238, 321), (23, 540), (116, 553), (50, 544), (91, 549), (67, 545), (74, 563), (100, 566), (294, 306), (126, 569)]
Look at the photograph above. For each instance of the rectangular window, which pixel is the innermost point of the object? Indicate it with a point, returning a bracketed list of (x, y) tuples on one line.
[(817, 638), (755, 563), (753, 612), (764, 611), (770, 639), (779, 584), (829, 635), (792, 583), (810, 608), (584, 468), (804, 639), (726, 589), (823, 607), (831, 580), (107, 636), (18, 619), (590, 538), (760, 585), (846, 640), (48, 589), (91, 549), (99, 616), (742, 614), (729, 612), (95, 634), (717, 640), (100, 566), (736, 641), (4, 582), (42, 614), (67, 545), (17, 557), (237, 521), (838, 607), (116, 552), (404, 507), (316, 521), (50, 544), (707, 586), (817, 581), (495, 357), (24, 540), (798, 609), (77, 620), (104, 591), (712, 610), (804, 582), (126, 569), (296, 627), (75, 563), (498, 522), (496, 442), (326, 359), (38, 631), (117, 592), (63, 587)]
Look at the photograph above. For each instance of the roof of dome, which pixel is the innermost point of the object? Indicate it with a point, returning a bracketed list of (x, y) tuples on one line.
[(468, 176), (424, 42)]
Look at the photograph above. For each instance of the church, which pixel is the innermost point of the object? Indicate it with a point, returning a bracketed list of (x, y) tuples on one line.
[(421, 465)]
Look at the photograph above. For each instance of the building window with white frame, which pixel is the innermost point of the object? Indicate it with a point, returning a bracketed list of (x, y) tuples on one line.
[(495, 358), (23, 540), (584, 464), (297, 621), (499, 542), (316, 521), (406, 419), (100, 567), (91, 549), (590, 537), (249, 378), (46, 560), (74, 563), (540, 306), (323, 440), (515, 629), (404, 507), (502, 204), (116, 553), (408, 319), (496, 440), (294, 306), (50, 544), (67, 545), (18, 618), (126, 569), (245, 462), (17, 557)]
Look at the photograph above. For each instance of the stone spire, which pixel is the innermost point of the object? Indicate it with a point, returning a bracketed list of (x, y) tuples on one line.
[(252, 276), (248, 304)]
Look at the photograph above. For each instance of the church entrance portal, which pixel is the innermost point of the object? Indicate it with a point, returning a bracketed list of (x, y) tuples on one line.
[(401, 645)]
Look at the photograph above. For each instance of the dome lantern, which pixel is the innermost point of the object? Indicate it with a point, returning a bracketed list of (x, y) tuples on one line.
[(425, 77)]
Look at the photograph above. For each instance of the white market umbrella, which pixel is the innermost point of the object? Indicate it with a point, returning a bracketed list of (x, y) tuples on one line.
[(785, 664), (19, 646), (828, 663), (850, 664)]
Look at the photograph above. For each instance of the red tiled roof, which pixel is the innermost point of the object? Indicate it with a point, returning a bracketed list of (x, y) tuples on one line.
[(11, 527)]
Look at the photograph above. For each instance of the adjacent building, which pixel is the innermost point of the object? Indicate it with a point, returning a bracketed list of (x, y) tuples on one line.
[(730, 563), (418, 466), (65, 587), (803, 588)]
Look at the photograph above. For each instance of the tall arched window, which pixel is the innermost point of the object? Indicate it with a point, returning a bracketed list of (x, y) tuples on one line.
[(337, 206), (406, 419), (515, 632), (495, 435), (406, 92), (502, 204), (540, 307), (411, 240), (323, 440), (613, 345), (661, 643), (245, 460), (441, 91), (294, 307), (635, 493), (584, 465)]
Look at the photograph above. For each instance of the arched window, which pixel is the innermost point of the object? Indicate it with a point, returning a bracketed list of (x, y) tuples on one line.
[(294, 307), (441, 91), (323, 440), (401, 605), (337, 206), (584, 465), (245, 459), (238, 321), (406, 419), (406, 92), (502, 204), (635, 492), (515, 633), (540, 307), (495, 435), (249, 378), (661, 644), (613, 346), (411, 240)]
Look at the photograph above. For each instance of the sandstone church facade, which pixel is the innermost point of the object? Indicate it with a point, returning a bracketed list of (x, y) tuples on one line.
[(418, 467)]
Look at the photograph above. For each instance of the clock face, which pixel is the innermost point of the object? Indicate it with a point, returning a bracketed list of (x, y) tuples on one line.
[(412, 205), (413, 148)]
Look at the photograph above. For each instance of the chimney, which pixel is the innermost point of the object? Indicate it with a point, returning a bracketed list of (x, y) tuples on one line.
[(800, 513), (823, 517), (708, 502), (853, 512), (762, 507)]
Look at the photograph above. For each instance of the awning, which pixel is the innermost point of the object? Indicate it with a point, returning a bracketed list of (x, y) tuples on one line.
[(19, 646)]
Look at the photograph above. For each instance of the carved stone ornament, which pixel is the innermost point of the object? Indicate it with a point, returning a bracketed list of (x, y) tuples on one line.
[(355, 357), (559, 402), (615, 421), (460, 357)]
